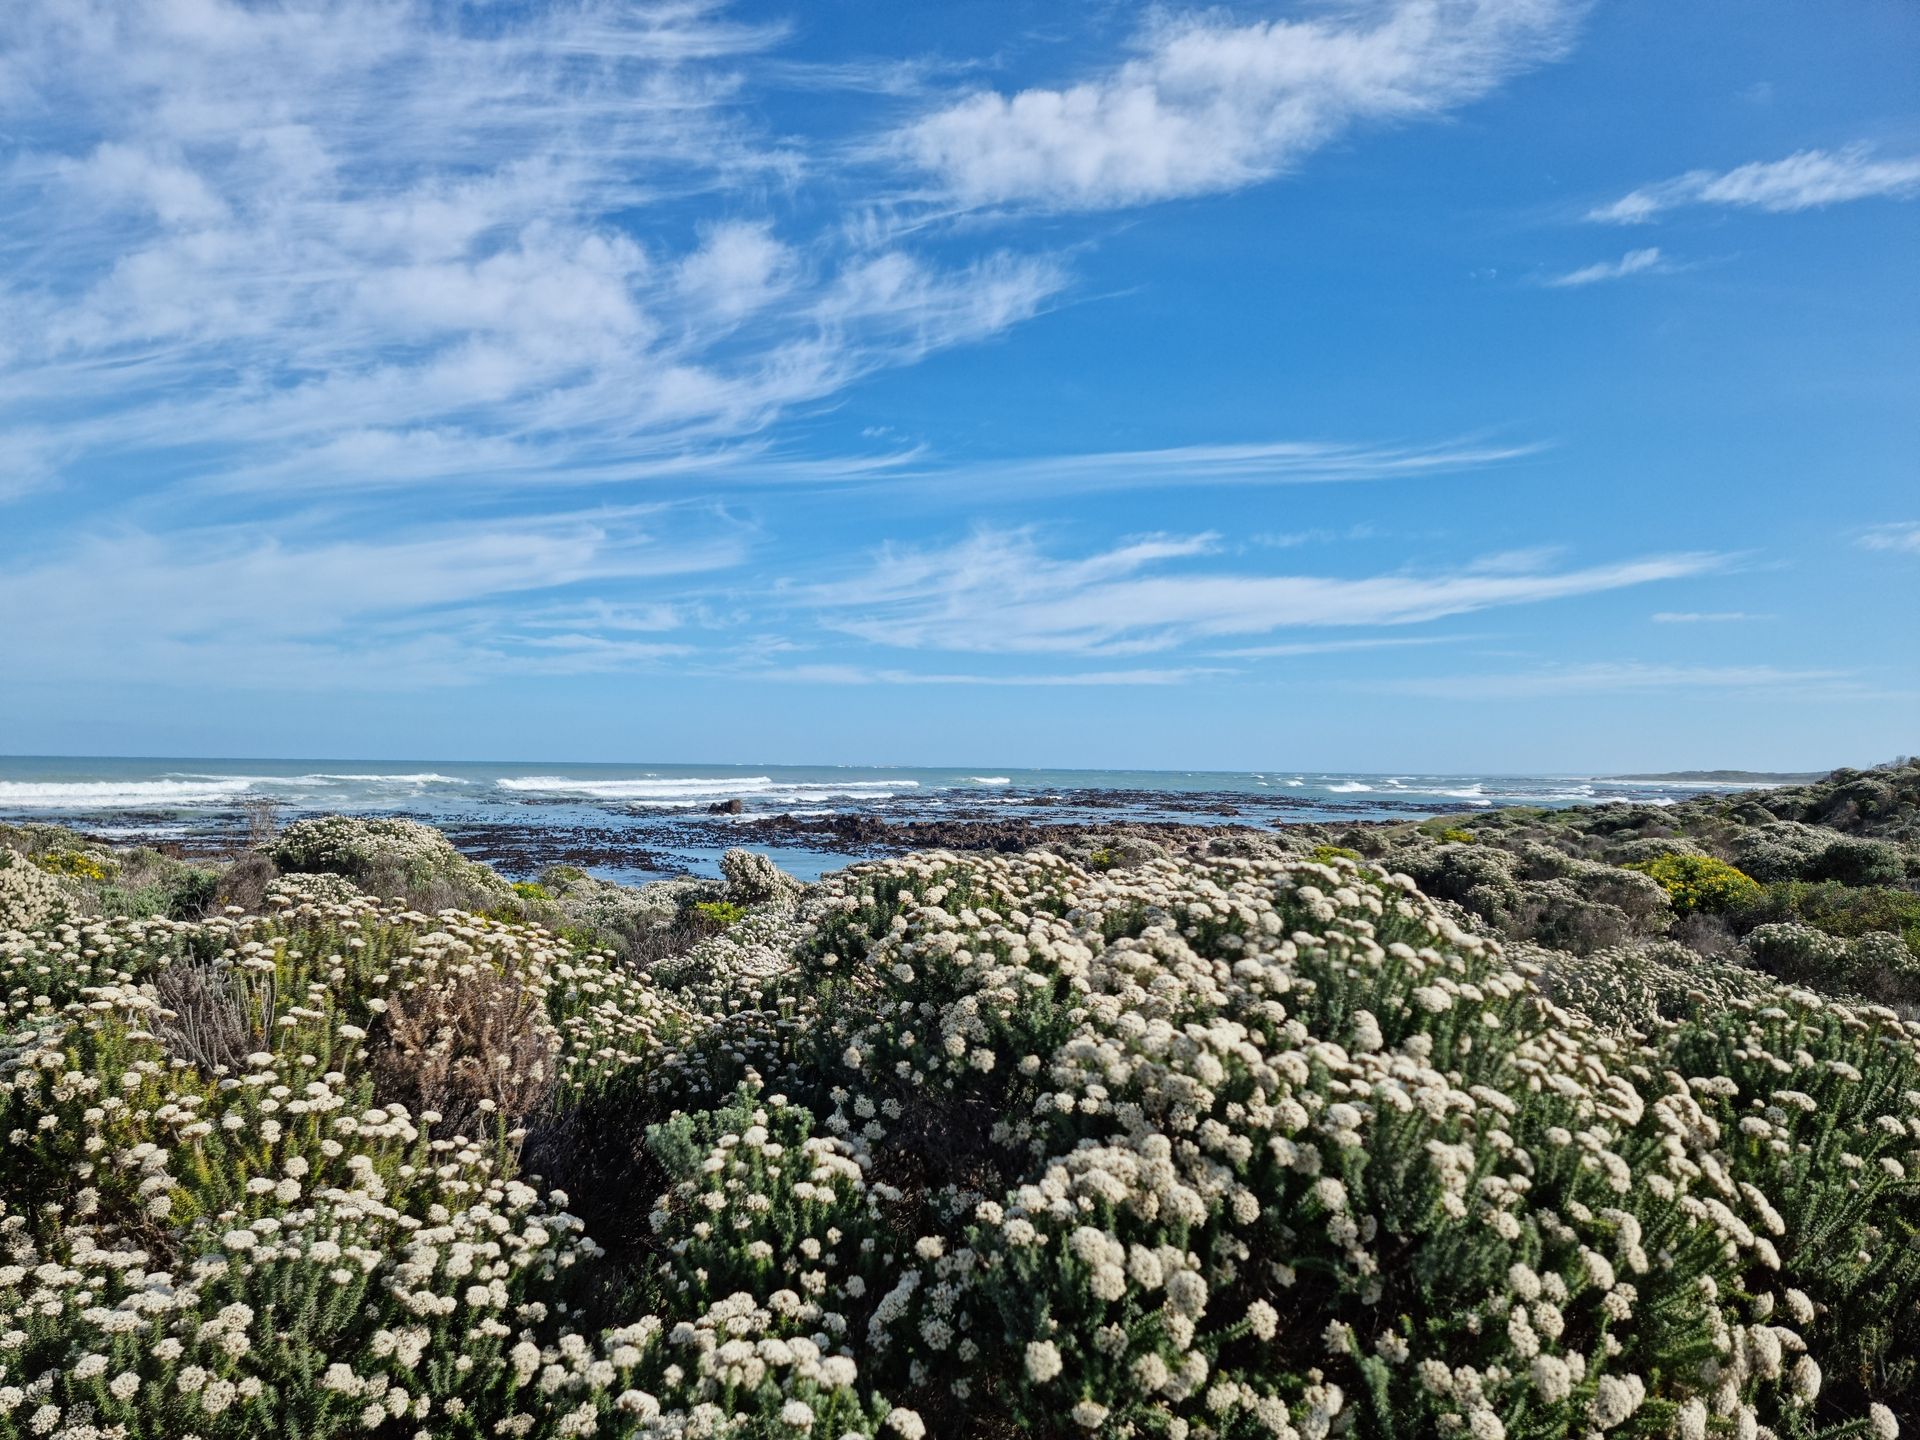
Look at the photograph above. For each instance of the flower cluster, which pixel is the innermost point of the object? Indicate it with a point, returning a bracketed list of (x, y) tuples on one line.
[(29, 895), (1193, 1149), (383, 851)]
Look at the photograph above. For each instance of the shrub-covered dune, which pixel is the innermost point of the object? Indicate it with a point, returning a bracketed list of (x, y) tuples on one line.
[(945, 1146)]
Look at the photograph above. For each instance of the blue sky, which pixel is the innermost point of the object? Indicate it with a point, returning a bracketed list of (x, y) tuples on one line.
[(1431, 384)]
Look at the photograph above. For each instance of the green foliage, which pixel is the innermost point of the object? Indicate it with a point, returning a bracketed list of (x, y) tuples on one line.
[(1835, 908), (720, 914), (1699, 883), (531, 890), (1327, 854), (76, 863)]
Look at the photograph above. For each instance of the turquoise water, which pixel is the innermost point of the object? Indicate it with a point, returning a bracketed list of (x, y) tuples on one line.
[(648, 819)]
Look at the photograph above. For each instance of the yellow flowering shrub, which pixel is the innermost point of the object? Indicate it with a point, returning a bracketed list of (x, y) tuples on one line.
[(1699, 882)]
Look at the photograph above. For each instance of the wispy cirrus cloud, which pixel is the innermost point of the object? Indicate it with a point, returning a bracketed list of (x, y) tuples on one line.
[(1206, 104), (1634, 262), (1899, 535), (445, 604), (830, 674), (1807, 180), (998, 592), (1269, 462), (1704, 617), (1626, 678), (371, 243)]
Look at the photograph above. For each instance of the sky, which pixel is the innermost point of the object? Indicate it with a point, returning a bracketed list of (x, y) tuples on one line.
[(1445, 385)]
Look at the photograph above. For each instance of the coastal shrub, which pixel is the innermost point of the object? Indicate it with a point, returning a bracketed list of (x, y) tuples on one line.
[(1856, 860), (1799, 953), (1629, 987), (77, 863), (640, 923), (976, 1147), (29, 896), (389, 857), (244, 882), (1878, 964), (755, 880), (719, 914), (1780, 849), (1561, 916), (1479, 877), (1324, 854), (1700, 882), (472, 1045), (1640, 850), (1838, 909)]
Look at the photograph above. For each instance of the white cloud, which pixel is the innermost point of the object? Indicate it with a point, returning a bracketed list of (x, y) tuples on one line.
[(1901, 535), (389, 612), (1626, 677), (1208, 105), (865, 675), (738, 268), (1704, 617), (1634, 262), (392, 241), (999, 593), (1804, 181), (1276, 462)]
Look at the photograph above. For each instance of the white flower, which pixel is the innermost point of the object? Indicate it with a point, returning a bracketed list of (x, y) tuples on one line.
[(1043, 1361)]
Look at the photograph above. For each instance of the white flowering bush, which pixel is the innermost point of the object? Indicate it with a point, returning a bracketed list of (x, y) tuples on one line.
[(983, 1146), (29, 895), (388, 855), (1631, 988)]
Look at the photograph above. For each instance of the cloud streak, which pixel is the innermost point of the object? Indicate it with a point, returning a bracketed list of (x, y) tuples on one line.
[(419, 607), (1634, 262), (1901, 536), (1808, 180), (1626, 678), (998, 592)]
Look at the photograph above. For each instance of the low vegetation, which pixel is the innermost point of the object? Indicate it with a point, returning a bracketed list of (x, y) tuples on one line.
[(1182, 1146)]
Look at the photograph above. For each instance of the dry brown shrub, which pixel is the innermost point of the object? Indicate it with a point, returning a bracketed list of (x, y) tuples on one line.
[(210, 1019), (244, 883), (472, 1045)]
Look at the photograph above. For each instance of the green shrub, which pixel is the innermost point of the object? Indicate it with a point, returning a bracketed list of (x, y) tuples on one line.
[(1838, 909), (531, 890), (76, 863), (1326, 854), (1699, 882), (720, 914), (1856, 860)]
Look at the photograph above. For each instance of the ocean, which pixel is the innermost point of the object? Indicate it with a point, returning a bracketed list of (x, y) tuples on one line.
[(642, 821)]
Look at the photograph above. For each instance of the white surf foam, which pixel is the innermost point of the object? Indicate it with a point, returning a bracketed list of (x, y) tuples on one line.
[(425, 778), (118, 794), (1349, 787), (991, 779), (699, 789)]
